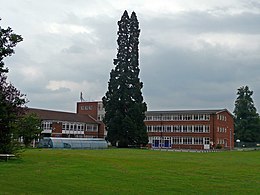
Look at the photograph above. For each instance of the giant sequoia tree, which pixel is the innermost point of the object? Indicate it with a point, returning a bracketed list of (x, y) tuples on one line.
[(247, 123), (123, 102), (11, 100)]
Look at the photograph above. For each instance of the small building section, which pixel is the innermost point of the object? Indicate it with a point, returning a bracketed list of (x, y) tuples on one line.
[(190, 129), (95, 110), (66, 124), (73, 143)]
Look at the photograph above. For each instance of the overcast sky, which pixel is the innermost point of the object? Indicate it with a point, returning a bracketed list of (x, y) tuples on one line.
[(193, 54)]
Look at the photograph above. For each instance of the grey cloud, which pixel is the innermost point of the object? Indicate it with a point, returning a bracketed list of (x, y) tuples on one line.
[(175, 76), (204, 22), (73, 49)]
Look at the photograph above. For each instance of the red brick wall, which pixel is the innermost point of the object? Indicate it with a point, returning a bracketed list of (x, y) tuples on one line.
[(215, 123), (91, 134), (228, 133), (56, 129), (90, 108)]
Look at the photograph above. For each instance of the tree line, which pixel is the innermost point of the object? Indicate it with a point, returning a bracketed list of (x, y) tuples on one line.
[(123, 102)]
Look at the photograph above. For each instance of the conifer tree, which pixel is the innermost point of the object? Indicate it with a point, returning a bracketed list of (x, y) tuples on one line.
[(123, 102), (247, 123)]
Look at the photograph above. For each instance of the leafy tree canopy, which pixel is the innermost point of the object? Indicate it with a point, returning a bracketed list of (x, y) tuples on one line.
[(11, 99), (8, 40), (29, 128)]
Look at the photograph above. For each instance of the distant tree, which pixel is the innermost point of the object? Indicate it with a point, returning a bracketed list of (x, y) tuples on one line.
[(247, 122), (8, 40), (29, 128), (11, 99), (123, 102)]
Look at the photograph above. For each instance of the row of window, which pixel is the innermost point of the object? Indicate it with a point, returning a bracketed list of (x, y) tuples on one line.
[(66, 126), (179, 128), (221, 141), (73, 126), (179, 117), (167, 141), (221, 129), (46, 125), (221, 117), (88, 107)]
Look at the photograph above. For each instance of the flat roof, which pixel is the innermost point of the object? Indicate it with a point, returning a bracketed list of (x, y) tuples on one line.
[(209, 111)]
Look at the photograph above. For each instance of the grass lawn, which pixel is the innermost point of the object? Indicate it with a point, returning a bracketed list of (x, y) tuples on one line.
[(130, 171)]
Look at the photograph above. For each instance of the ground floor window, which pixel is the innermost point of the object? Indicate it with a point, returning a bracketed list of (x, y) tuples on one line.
[(160, 142), (167, 142)]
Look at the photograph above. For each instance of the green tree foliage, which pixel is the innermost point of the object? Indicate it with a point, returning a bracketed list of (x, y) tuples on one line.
[(247, 122), (8, 41), (11, 99), (123, 102), (29, 128)]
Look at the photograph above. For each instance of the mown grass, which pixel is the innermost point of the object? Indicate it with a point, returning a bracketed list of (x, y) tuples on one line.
[(130, 171)]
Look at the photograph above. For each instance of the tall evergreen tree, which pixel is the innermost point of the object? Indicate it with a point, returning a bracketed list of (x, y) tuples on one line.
[(123, 102), (247, 122), (11, 99)]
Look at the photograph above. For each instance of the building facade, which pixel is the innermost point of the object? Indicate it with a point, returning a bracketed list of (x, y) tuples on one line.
[(95, 110), (66, 124), (182, 129), (190, 129)]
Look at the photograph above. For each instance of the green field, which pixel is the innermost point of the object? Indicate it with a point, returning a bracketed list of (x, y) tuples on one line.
[(130, 171)]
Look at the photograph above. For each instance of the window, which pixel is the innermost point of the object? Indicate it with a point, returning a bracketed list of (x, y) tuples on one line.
[(184, 128), (207, 117), (167, 128), (86, 107), (206, 140), (176, 128), (189, 128), (198, 140), (187, 140), (177, 117), (200, 128), (167, 118), (157, 128), (47, 125), (196, 128), (196, 117), (201, 117), (149, 128), (157, 118), (177, 140), (148, 118), (91, 127), (206, 129), (187, 117)]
